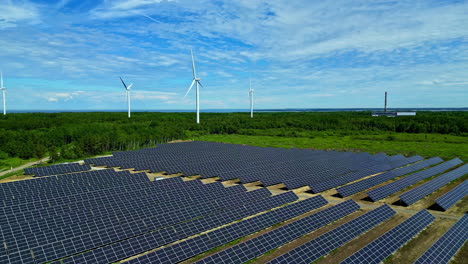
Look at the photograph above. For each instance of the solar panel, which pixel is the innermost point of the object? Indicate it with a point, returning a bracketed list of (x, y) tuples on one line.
[(57, 169), (103, 216), (359, 186), (385, 245), (189, 248), (182, 230), (414, 195), (322, 245), (386, 190), (453, 196), (258, 246), (294, 167), (446, 246)]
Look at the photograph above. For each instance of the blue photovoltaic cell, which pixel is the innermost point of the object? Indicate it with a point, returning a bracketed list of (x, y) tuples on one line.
[(409, 180), (453, 196), (191, 247), (258, 246), (447, 245), (427, 188), (385, 245), (322, 245), (57, 169), (359, 186)]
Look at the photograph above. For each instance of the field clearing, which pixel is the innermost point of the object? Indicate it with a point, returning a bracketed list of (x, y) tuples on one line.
[(434, 145)]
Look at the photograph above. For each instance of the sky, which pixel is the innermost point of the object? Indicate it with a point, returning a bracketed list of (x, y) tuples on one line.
[(69, 54)]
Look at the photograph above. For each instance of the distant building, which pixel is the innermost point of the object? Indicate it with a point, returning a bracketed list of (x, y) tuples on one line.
[(392, 114), (405, 113), (389, 114)]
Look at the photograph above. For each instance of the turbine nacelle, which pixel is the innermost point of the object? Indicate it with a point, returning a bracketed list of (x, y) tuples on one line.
[(197, 83), (127, 94)]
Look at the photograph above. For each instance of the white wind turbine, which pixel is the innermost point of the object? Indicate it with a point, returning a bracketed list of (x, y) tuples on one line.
[(127, 94), (3, 92), (251, 95), (197, 82)]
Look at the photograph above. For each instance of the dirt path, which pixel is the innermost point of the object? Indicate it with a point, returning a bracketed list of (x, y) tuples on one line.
[(29, 164)]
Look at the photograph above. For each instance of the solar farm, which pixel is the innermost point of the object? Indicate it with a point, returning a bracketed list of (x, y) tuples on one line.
[(207, 202)]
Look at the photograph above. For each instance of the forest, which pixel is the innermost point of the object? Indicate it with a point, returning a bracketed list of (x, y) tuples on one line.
[(79, 135)]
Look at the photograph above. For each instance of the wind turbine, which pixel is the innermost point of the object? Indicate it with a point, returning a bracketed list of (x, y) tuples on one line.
[(3, 92), (127, 94), (197, 82), (251, 95)]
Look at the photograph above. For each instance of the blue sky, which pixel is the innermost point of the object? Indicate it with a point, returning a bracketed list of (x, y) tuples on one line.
[(68, 54)]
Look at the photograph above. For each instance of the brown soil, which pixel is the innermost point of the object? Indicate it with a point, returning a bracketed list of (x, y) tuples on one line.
[(459, 208), (249, 237), (419, 244), (350, 248), (288, 247), (16, 178), (461, 256), (430, 199)]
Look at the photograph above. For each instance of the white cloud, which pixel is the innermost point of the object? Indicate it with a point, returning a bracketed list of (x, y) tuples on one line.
[(14, 12), (299, 52), (61, 96), (125, 8)]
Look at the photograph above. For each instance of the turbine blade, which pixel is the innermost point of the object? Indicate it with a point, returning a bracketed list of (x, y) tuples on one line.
[(200, 84), (190, 88), (1, 79), (194, 72), (123, 83), (128, 88)]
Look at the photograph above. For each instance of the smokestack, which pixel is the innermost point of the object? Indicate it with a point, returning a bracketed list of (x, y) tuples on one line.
[(385, 108)]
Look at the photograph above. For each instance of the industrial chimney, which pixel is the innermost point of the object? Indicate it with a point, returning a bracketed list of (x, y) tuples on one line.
[(385, 107)]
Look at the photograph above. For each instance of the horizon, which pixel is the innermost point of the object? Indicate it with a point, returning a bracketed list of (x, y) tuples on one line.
[(240, 110), (66, 55)]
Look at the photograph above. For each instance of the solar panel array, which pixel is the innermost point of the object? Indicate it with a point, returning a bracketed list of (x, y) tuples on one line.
[(369, 170), (385, 245), (416, 194), (293, 167), (51, 218), (56, 169), (78, 215), (258, 246), (453, 196), (448, 245), (386, 190), (365, 184), (322, 245), (136, 245), (194, 246)]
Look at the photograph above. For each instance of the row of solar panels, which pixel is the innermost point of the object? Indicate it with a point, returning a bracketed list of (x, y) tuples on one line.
[(102, 221), (295, 168), (415, 194), (374, 252), (56, 169)]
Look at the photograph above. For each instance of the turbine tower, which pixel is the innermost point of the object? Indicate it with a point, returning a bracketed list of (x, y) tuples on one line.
[(251, 95), (3, 92), (127, 94), (197, 83)]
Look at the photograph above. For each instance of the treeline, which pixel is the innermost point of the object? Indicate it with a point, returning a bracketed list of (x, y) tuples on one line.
[(76, 135)]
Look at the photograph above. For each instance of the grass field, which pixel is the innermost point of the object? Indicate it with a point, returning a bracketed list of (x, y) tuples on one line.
[(6, 164), (426, 145)]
